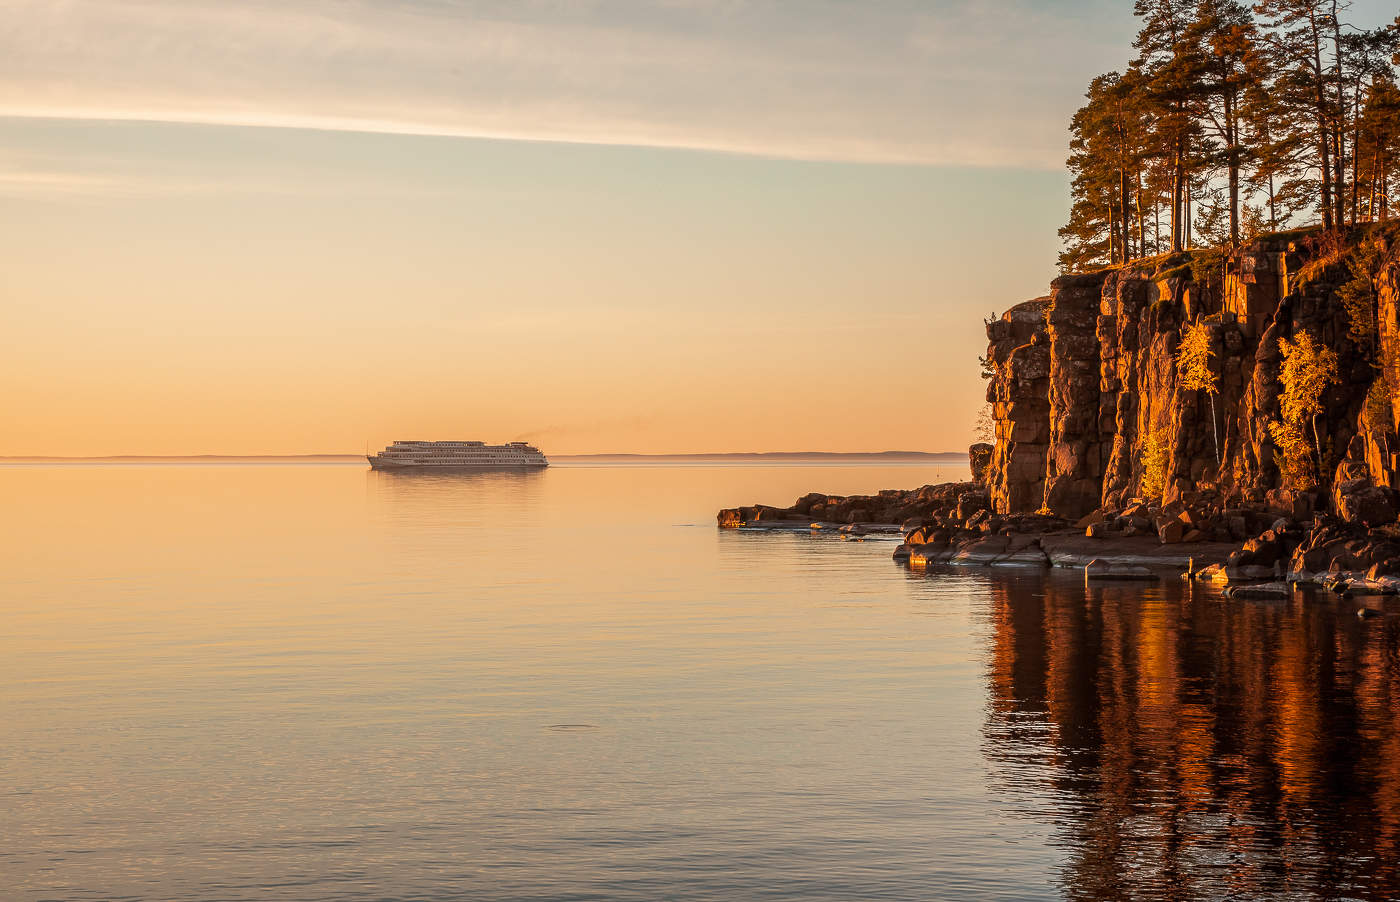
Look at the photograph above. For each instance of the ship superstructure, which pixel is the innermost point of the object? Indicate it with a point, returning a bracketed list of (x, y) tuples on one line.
[(457, 456)]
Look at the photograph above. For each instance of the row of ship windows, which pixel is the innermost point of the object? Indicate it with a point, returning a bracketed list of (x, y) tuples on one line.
[(473, 456), (454, 457)]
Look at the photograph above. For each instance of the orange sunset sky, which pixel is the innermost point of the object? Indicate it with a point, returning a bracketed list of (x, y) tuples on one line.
[(307, 226)]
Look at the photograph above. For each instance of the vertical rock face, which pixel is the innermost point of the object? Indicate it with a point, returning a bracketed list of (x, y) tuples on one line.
[(1139, 333), (1019, 392), (1311, 304), (1127, 337), (1086, 391), (1078, 451), (1379, 447)]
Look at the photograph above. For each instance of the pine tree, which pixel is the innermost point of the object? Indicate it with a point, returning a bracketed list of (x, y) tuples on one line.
[(1222, 37), (1368, 66), (1306, 84), (1171, 81), (1278, 150), (1378, 150), (1377, 127), (1105, 157), (1234, 128)]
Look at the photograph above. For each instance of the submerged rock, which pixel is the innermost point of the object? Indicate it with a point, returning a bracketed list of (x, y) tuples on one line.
[(1260, 590), (1213, 573), (1358, 587), (1097, 569)]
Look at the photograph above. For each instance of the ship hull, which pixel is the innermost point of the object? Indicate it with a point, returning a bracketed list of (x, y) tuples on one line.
[(414, 466)]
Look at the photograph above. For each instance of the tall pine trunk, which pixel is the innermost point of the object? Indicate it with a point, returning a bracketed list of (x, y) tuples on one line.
[(1324, 145), (1323, 134), (1112, 236), (1356, 157), (1273, 207), (1137, 204), (1123, 206), (1339, 161), (1233, 159), (1186, 213), (1371, 195), (1176, 200)]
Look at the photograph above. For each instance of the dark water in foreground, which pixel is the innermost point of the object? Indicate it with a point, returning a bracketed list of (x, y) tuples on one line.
[(314, 682)]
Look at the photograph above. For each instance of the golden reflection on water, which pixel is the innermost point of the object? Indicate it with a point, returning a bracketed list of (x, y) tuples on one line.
[(1201, 748)]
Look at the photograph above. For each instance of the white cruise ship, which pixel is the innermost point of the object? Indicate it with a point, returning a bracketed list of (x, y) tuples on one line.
[(457, 456)]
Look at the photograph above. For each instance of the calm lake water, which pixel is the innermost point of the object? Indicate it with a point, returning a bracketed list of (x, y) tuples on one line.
[(258, 681)]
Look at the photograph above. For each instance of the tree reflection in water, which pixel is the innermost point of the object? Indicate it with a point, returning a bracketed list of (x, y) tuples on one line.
[(1185, 746)]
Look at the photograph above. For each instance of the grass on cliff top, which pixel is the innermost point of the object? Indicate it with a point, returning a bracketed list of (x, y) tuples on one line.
[(1330, 250), (1176, 264), (1289, 234)]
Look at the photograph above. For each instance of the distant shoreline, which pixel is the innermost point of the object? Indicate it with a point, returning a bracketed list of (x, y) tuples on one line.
[(902, 456), (778, 455), (157, 458)]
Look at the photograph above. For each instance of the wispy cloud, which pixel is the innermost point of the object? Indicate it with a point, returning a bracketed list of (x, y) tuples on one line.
[(908, 81), (78, 176), (17, 181)]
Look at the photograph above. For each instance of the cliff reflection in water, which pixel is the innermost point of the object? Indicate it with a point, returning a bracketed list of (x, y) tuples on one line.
[(1197, 748)]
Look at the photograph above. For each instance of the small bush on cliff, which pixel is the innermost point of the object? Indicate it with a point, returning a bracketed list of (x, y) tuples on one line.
[(1293, 455), (1322, 249), (1156, 455), (1208, 271), (1193, 369), (1308, 368), (1377, 414), (1358, 295)]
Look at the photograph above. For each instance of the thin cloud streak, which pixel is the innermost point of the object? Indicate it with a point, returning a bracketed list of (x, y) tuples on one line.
[(83, 176), (832, 150), (881, 82), (32, 181)]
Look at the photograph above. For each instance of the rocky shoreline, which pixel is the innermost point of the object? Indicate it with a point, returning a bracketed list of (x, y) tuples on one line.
[(951, 524), (1107, 458)]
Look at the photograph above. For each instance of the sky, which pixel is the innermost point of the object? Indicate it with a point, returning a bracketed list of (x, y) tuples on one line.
[(601, 225)]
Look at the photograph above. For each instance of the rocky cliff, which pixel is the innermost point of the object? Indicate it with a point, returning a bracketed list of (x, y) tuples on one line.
[(1144, 416), (1088, 398)]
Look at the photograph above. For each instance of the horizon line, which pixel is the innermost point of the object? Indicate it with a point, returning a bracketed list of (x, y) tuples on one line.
[(580, 456)]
